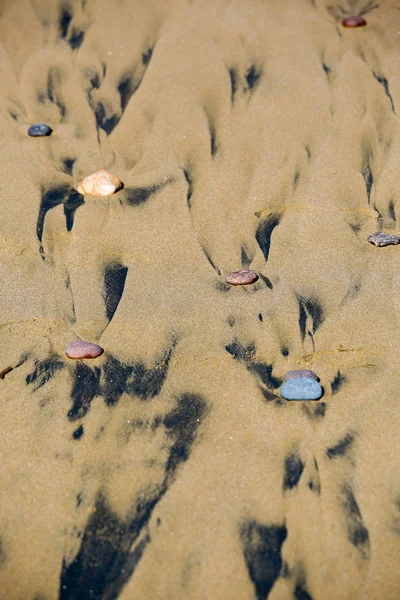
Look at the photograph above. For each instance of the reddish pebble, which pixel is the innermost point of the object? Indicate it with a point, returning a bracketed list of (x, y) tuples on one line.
[(355, 21), (299, 373), (82, 349), (241, 277)]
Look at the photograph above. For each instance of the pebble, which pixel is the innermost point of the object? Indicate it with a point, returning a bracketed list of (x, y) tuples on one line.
[(354, 21), (100, 183), (39, 130), (383, 239), (300, 373), (301, 388), (241, 277), (82, 349)]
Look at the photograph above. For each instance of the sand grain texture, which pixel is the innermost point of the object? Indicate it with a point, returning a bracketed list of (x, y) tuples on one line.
[(254, 135)]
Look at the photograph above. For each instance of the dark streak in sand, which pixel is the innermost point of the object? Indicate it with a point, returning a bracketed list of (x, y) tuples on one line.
[(294, 467), (314, 412), (369, 180), (357, 532), (266, 280), (233, 80), (136, 380), (342, 447), (140, 195), (337, 382), (53, 84), (78, 433), (85, 388), (309, 307), (71, 203), (189, 186), (384, 83), (114, 283), (247, 354), (327, 70), (111, 546), (264, 232), (53, 198), (262, 553), (65, 20), (252, 76), (300, 593), (44, 371)]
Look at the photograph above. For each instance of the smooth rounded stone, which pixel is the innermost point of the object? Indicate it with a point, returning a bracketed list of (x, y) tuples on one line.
[(82, 349), (383, 239), (354, 21), (241, 277), (39, 130), (300, 373), (100, 183), (301, 388)]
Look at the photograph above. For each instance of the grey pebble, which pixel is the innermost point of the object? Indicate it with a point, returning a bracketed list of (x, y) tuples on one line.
[(383, 239), (301, 388), (39, 130), (297, 373)]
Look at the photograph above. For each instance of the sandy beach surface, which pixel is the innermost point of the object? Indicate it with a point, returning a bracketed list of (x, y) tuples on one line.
[(247, 134)]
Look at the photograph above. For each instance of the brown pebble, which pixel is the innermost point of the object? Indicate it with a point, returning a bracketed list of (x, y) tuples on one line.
[(241, 277), (300, 373), (354, 21), (383, 239), (100, 183), (82, 349), (4, 372)]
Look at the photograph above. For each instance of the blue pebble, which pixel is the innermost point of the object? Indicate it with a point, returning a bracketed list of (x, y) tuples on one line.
[(39, 130), (301, 388)]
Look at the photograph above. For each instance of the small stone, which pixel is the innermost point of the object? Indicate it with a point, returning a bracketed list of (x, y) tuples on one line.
[(383, 239), (354, 21), (39, 130), (300, 373), (82, 349), (100, 183), (301, 388), (241, 277)]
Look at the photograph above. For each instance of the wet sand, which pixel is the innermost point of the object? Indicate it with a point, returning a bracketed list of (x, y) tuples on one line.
[(248, 135)]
